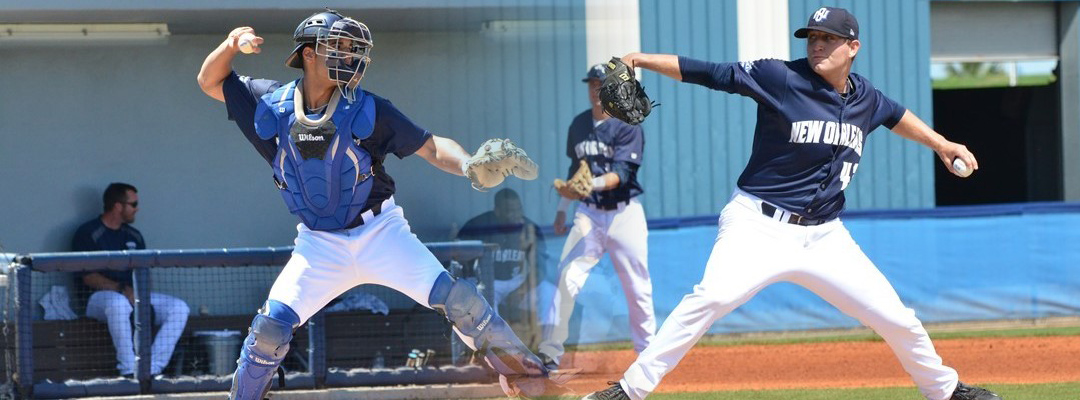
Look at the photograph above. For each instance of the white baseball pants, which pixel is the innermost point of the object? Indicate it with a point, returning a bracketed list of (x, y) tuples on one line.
[(623, 234), (382, 251), (753, 251), (114, 309)]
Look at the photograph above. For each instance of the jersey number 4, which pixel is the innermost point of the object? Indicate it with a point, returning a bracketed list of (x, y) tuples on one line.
[(846, 173)]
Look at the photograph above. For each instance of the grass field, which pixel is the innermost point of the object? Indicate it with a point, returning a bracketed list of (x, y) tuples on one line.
[(852, 337), (991, 81), (1042, 391), (1045, 391)]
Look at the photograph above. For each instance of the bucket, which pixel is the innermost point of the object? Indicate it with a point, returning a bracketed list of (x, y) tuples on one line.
[(222, 350)]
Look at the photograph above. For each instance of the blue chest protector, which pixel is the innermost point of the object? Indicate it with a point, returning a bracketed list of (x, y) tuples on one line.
[(324, 177)]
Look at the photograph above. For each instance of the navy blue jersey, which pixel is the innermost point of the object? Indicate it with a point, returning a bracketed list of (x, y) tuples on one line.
[(512, 239), (95, 236), (808, 140), (612, 146), (393, 133)]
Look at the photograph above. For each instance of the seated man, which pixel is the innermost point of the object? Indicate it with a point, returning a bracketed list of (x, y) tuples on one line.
[(113, 298), (516, 261)]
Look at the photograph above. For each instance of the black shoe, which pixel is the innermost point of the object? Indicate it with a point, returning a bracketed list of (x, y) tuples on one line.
[(614, 392), (965, 392), (549, 363)]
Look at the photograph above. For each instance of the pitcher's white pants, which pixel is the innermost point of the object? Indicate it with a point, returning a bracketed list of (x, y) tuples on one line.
[(114, 309), (623, 234), (753, 251)]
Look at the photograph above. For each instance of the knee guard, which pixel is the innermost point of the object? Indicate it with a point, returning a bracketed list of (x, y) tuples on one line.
[(264, 348), (460, 302)]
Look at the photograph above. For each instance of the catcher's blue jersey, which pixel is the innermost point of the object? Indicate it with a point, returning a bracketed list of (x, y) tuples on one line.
[(393, 131), (611, 146), (808, 140)]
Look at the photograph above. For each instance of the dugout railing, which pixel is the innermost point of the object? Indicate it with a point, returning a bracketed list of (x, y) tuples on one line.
[(75, 357)]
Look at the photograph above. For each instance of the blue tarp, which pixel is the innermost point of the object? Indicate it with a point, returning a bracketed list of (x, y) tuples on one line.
[(948, 264)]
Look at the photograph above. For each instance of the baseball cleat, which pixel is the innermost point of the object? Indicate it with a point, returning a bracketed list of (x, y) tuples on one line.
[(551, 384), (965, 392), (562, 375), (614, 392), (549, 363)]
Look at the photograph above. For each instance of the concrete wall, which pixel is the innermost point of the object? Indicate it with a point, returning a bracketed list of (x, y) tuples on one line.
[(78, 117)]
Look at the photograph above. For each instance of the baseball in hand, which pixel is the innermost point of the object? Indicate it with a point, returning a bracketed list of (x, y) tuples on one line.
[(246, 43), (961, 167)]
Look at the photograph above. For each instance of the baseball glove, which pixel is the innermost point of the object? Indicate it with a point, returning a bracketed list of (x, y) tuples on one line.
[(579, 186), (494, 161), (621, 94)]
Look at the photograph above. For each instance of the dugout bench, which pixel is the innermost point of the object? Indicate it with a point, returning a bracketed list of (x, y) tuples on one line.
[(82, 349), (49, 355)]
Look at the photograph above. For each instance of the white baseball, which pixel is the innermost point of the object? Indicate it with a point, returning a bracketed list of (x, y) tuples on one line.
[(246, 43), (961, 167)]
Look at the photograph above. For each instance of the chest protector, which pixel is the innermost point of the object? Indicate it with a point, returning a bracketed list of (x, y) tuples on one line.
[(323, 175)]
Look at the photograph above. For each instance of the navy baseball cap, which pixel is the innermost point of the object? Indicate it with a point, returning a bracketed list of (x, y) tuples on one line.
[(836, 21), (595, 72)]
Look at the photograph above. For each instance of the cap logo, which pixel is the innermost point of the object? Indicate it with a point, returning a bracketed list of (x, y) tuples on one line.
[(747, 65), (851, 32), (821, 14)]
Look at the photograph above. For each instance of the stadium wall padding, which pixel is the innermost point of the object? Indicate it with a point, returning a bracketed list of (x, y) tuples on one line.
[(1013, 263)]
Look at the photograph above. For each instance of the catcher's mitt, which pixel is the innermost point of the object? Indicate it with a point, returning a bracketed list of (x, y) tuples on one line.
[(621, 94), (579, 186), (494, 161)]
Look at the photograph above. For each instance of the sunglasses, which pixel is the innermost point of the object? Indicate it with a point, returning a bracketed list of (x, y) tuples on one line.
[(133, 204)]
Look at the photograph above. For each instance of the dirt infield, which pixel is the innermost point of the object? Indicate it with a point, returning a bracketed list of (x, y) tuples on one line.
[(843, 364)]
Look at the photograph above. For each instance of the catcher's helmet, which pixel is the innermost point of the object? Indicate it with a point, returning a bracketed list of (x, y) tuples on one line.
[(344, 43), (320, 23)]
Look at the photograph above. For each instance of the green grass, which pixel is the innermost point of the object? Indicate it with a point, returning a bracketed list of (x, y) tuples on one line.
[(1032, 391), (991, 81), (719, 340), (1042, 391)]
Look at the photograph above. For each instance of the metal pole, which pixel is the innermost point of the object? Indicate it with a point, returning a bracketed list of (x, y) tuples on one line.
[(317, 348), (487, 274), (1013, 73), (24, 330), (144, 325)]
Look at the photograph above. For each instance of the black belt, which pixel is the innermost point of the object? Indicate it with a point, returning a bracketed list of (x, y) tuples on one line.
[(375, 211), (614, 206), (770, 211)]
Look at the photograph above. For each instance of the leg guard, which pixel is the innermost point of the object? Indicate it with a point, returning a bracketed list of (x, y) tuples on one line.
[(460, 302), (264, 348)]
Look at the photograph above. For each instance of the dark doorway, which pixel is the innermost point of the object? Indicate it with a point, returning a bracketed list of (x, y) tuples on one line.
[(1015, 134)]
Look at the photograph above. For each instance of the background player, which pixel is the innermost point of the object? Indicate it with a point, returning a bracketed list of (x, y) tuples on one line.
[(610, 220), (518, 268), (113, 295), (326, 139), (782, 222)]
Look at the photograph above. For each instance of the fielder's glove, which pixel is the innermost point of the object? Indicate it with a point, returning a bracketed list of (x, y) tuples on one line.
[(579, 186), (622, 96), (494, 161)]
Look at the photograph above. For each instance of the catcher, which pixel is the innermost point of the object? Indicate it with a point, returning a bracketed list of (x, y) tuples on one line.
[(325, 139), (606, 154)]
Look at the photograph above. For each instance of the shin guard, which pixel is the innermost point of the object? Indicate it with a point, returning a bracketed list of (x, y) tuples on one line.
[(264, 348), (470, 313)]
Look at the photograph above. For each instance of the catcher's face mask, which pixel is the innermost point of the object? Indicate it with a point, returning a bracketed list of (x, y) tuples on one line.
[(346, 47)]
